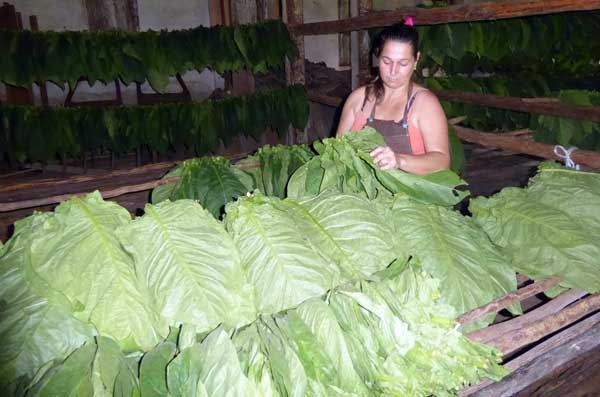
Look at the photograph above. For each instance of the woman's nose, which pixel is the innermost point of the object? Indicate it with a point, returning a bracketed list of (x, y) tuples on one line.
[(394, 69)]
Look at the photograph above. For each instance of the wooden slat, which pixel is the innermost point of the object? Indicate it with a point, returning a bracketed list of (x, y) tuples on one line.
[(498, 304), (519, 145), (494, 331), (471, 12), (364, 45), (12, 206), (557, 340), (546, 365), (516, 339), (295, 69), (529, 105)]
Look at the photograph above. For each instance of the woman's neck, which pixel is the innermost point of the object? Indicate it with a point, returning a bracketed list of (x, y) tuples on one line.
[(393, 94)]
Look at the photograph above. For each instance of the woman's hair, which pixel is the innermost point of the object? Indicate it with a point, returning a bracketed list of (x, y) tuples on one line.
[(400, 32)]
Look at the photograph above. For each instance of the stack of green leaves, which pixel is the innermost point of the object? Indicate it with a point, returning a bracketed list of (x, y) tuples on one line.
[(88, 269), (385, 337), (32, 133), (549, 228), (65, 57), (344, 164), (212, 181), (275, 165)]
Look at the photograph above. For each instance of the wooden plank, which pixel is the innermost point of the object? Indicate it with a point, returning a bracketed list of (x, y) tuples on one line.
[(518, 145), (364, 45), (545, 365), (295, 69), (470, 12), (529, 105), (498, 304), (539, 350), (485, 335), (344, 38), (514, 340), (38, 202)]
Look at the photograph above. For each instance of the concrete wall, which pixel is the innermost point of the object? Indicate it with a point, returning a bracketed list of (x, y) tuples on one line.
[(153, 14)]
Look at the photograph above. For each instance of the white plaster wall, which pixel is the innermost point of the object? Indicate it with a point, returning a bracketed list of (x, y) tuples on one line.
[(394, 4), (153, 14), (322, 48), (53, 14)]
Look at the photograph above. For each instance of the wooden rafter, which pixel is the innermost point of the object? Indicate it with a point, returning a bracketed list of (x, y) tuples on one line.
[(459, 13), (548, 107)]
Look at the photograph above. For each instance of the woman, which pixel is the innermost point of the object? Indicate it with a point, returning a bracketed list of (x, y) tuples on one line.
[(409, 117)]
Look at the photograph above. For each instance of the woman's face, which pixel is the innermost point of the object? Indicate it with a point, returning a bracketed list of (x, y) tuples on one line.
[(396, 63)]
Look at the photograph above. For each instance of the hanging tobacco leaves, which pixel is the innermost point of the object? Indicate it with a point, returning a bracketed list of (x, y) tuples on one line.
[(33, 133), (64, 57)]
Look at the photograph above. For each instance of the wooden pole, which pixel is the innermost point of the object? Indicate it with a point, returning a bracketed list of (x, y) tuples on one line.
[(529, 105), (514, 340), (471, 12), (12, 206), (485, 335), (540, 350), (498, 304), (295, 69), (364, 45), (344, 38), (519, 145), (526, 381)]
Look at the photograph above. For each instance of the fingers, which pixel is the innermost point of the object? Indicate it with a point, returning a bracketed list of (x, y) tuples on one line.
[(384, 157)]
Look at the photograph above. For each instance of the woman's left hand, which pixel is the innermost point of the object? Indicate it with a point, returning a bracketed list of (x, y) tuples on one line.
[(386, 158)]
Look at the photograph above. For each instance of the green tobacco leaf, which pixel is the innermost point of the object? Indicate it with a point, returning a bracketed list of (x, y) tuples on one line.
[(277, 164), (28, 321), (548, 228), (351, 231), (454, 250), (78, 254), (73, 377), (212, 181), (282, 267), (153, 369), (190, 266), (113, 375)]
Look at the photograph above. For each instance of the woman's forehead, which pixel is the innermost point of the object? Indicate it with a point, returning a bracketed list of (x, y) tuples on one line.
[(397, 50)]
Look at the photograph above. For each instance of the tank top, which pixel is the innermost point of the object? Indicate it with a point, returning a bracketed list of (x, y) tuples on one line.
[(402, 137)]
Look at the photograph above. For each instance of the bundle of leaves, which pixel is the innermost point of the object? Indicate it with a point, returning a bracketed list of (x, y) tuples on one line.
[(33, 133), (344, 164), (550, 227), (65, 57)]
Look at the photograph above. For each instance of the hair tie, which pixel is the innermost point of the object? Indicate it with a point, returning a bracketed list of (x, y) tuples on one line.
[(409, 21)]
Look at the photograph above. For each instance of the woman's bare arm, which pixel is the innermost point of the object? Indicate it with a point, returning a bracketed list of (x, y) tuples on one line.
[(431, 121), (353, 103)]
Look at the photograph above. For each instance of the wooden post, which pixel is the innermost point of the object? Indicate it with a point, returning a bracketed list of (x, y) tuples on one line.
[(344, 38), (243, 12), (268, 9), (295, 69), (364, 45), (10, 19)]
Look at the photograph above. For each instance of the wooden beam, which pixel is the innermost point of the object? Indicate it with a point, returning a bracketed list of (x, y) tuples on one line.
[(471, 12), (516, 339), (295, 68), (557, 340), (485, 335), (546, 365), (344, 38), (364, 45), (498, 304), (12, 206), (529, 105), (519, 145)]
